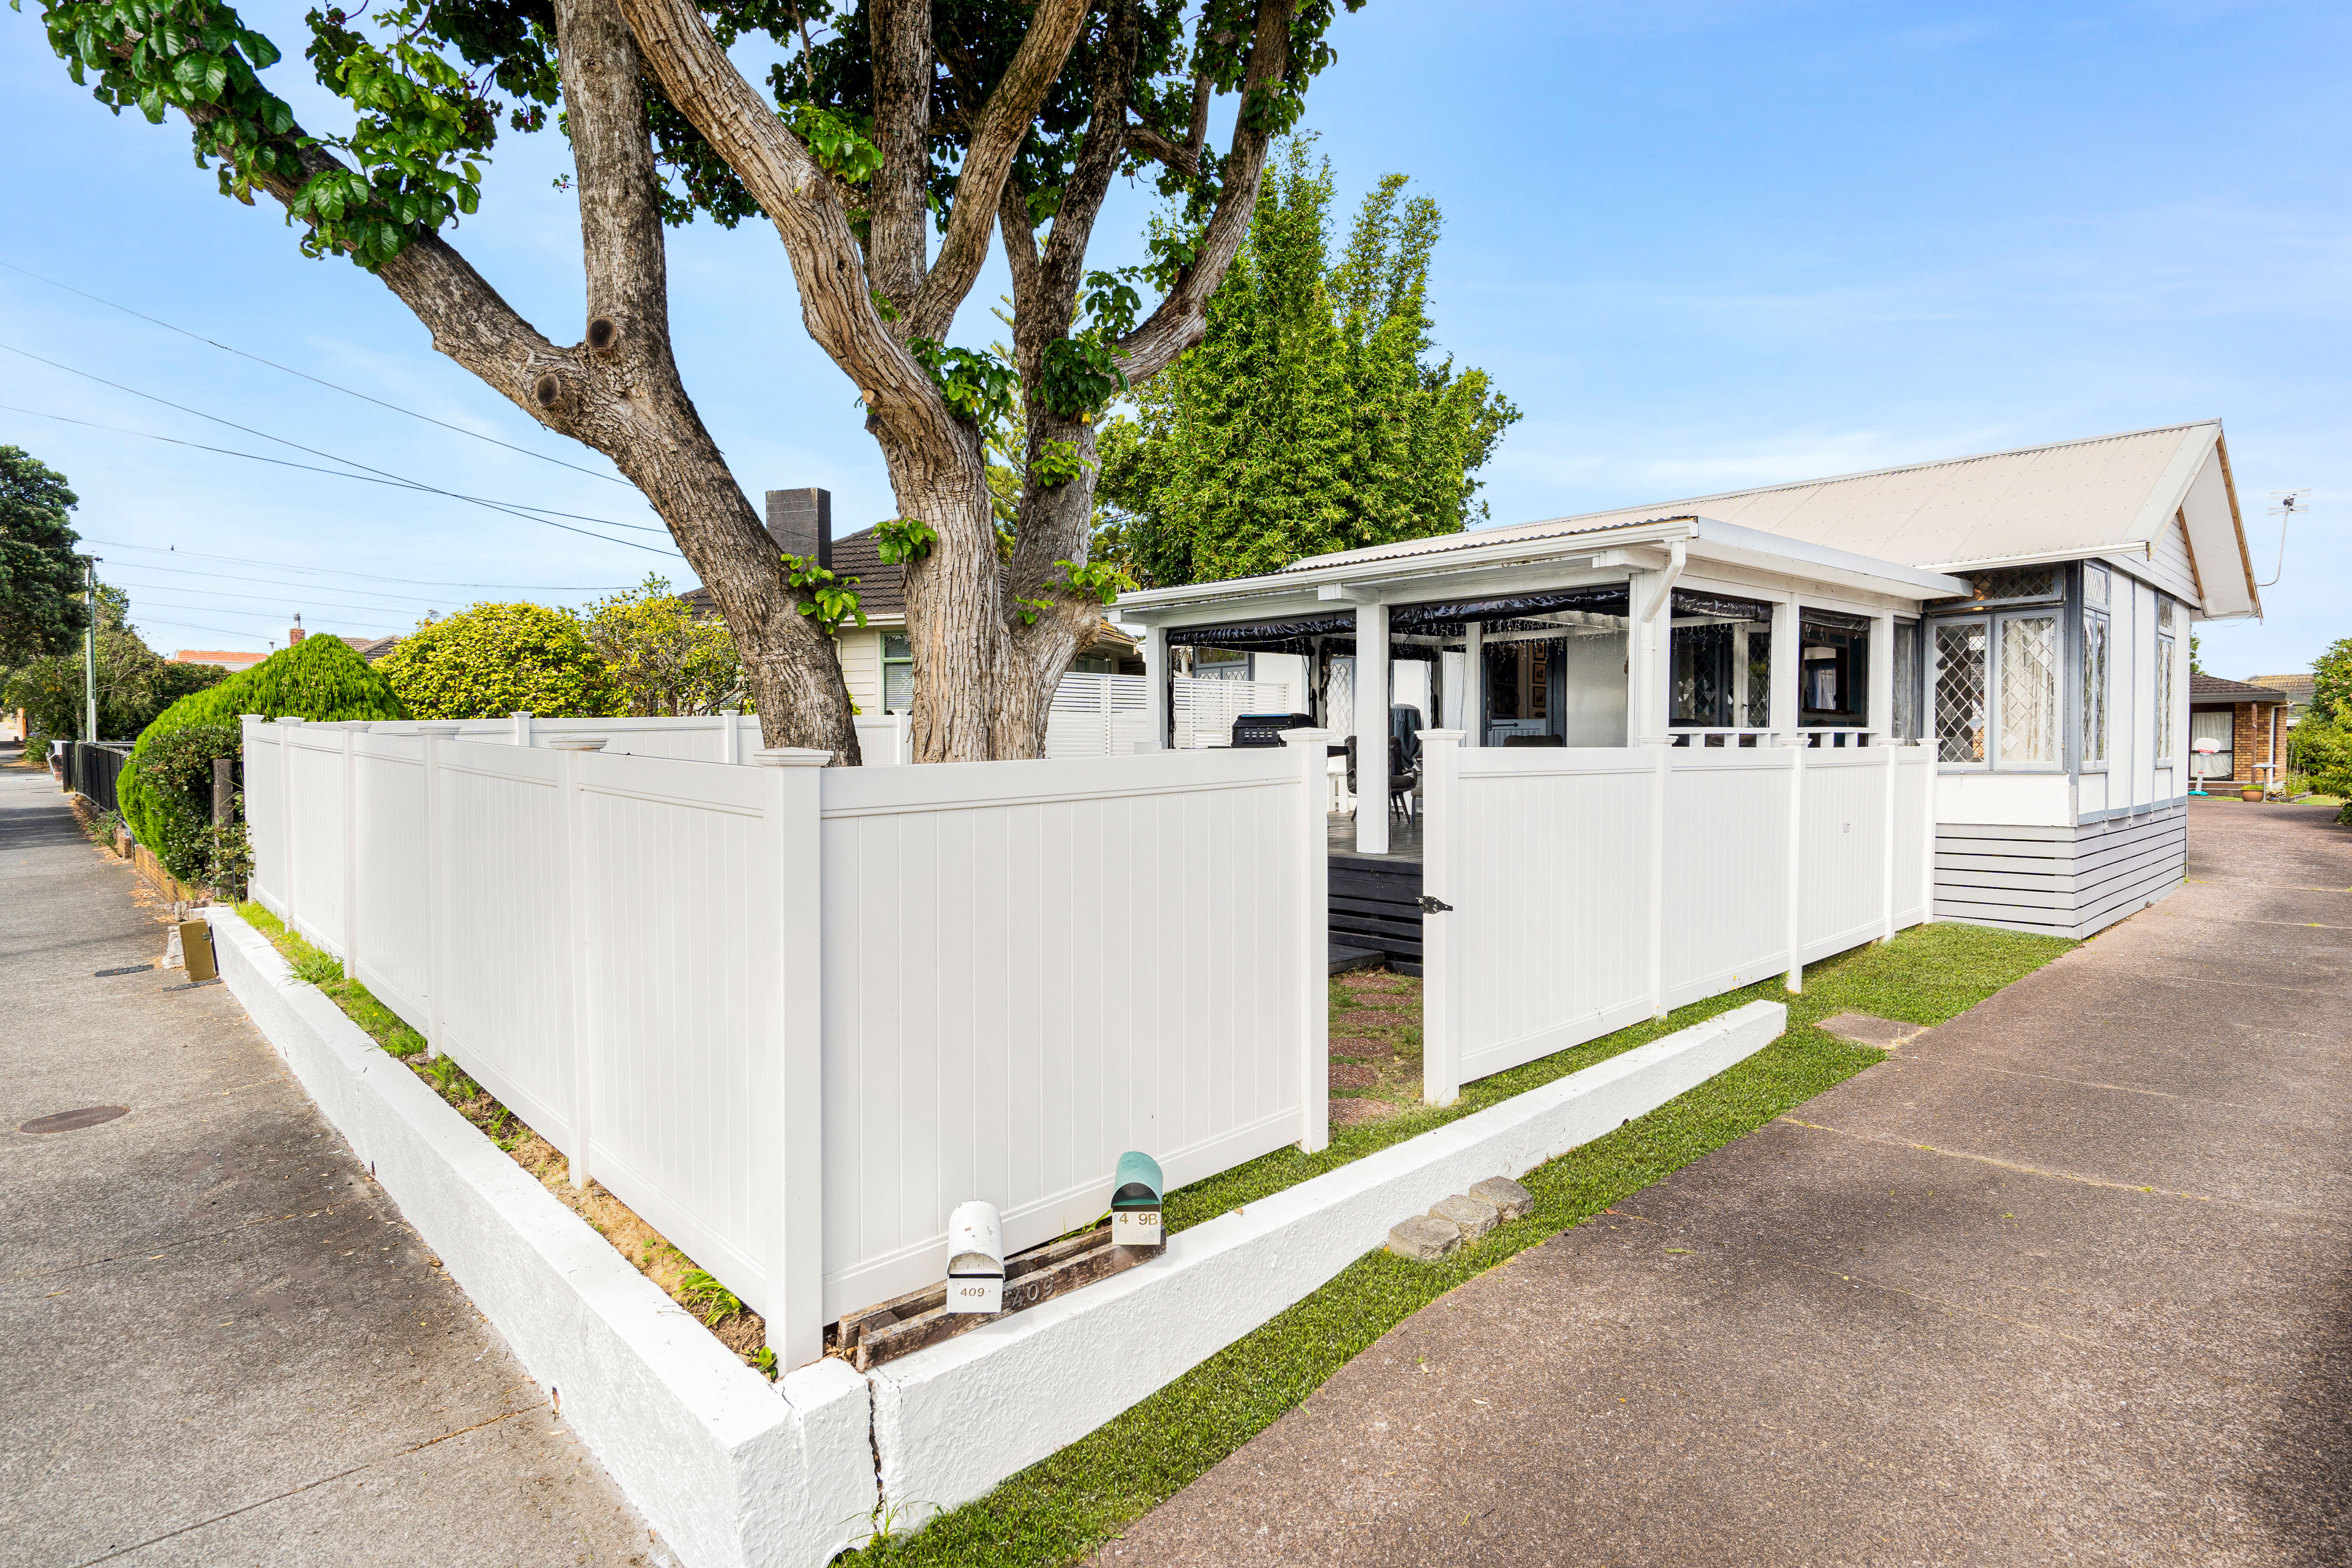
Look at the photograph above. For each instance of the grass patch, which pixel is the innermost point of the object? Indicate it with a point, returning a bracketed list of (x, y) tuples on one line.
[(712, 1304), (1063, 1507)]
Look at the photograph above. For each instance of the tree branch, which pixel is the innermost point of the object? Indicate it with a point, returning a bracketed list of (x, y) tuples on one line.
[(1182, 317), (1185, 161), (705, 86), (897, 239), (1004, 124)]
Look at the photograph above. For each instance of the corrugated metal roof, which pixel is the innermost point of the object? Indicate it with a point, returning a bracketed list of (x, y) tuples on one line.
[(2069, 496)]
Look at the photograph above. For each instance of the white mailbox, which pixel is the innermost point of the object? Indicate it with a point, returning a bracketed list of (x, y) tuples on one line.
[(975, 1258)]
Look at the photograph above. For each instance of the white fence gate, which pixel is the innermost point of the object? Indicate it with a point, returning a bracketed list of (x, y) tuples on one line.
[(1202, 712), (1592, 888), (794, 1014)]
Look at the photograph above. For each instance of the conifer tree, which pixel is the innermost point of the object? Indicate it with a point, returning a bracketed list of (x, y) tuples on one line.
[(1314, 416)]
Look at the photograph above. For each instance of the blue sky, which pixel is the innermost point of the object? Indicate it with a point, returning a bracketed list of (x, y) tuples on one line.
[(1702, 245)]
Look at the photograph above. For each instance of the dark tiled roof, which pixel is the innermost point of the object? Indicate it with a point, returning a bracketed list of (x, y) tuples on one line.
[(371, 649), (881, 588), (2214, 688)]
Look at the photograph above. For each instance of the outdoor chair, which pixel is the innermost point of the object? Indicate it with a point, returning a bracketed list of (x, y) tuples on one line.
[(1403, 777)]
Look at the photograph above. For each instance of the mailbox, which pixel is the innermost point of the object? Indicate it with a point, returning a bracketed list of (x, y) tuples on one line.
[(1135, 1201), (975, 1258)]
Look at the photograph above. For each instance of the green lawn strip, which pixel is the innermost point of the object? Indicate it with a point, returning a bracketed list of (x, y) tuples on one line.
[(1064, 1505)]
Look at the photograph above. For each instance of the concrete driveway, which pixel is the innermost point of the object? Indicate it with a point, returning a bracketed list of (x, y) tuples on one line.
[(2069, 1279), (219, 1343)]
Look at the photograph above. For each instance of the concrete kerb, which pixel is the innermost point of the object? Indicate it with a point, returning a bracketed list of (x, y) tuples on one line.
[(726, 1472), (953, 1421)]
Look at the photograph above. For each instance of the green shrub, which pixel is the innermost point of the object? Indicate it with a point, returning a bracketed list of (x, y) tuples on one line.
[(167, 792), (2324, 751), (495, 659)]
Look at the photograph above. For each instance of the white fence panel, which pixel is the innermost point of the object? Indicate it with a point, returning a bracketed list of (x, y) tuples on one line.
[(686, 877), (312, 759), (265, 813), (1202, 711), (1914, 833), (1842, 870), (996, 1025), (1726, 870), (1545, 858), (1592, 888), (502, 900), (392, 919)]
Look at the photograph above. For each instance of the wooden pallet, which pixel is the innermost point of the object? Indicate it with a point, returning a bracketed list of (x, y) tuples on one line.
[(905, 1324)]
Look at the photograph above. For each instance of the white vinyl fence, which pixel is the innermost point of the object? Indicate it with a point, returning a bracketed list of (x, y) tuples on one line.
[(792, 1014), (1097, 715), (1593, 888), (883, 738)]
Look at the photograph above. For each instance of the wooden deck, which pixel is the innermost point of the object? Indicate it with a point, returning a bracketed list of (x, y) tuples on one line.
[(1376, 899)]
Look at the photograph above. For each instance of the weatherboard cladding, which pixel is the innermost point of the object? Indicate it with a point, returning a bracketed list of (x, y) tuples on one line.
[(2060, 881)]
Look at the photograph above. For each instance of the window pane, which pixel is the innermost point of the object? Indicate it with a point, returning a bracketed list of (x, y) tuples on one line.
[(1907, 680), (2005, 584), (1703, 679), (2164, 702), (2094, 585), (897, 688), (1961, 691), (1759, 680), (2029, 690), (2095, 691)]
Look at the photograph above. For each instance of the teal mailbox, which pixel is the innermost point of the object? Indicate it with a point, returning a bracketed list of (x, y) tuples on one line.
[(1135, 1201)]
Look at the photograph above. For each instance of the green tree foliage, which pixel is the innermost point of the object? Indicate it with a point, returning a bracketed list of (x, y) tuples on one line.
[(2331, 683), (40, 578), (135, 683), (2323, 754), (167, 792), (662, 659), (498, 658), (1315, 415)]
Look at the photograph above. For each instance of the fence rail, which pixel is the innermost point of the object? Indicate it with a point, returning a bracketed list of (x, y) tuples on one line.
[(792, 1014), (91, 768), (1589, 889)]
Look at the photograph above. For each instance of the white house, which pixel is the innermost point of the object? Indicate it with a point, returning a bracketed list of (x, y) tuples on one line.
[(2025, 613)]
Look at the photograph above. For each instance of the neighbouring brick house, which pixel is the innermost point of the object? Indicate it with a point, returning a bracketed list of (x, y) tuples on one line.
[(2249, 722)]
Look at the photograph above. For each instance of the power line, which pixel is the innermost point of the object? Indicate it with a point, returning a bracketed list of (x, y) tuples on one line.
[(305, 375), (314, 468), (370, 576), (188, 627), (208, 603), (331, 458), (273, 582)]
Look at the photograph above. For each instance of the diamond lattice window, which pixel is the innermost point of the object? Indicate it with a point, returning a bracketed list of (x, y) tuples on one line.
[(2029, 690), (1961, 648)]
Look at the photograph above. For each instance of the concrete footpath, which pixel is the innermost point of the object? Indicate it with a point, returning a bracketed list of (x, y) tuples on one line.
[(2068, 1280), (219, 1343)]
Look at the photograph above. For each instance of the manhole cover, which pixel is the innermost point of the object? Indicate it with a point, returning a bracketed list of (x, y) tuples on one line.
[(68, 1121)]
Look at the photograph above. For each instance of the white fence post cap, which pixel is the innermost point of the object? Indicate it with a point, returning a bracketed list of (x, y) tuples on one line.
[(440, 727), (791, 757), (1303, 737), (289, 720), (576, 743)]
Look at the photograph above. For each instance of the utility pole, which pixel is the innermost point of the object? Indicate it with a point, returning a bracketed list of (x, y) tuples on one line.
[(89, 654)]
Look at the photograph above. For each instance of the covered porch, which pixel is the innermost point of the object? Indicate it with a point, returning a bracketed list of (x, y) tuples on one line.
[(1680, 631)]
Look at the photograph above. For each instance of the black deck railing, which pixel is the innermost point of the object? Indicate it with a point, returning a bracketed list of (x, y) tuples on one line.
[(91, 768)]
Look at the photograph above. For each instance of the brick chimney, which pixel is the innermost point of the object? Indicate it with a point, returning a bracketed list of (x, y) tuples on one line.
[(295, 632), (801, 523)]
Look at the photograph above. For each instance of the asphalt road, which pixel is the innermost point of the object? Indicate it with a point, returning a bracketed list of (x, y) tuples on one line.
[(2068, 1280), (219, 1342)]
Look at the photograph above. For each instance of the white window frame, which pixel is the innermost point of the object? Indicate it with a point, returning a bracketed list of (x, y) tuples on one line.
[(882, 661), (1932, 655)]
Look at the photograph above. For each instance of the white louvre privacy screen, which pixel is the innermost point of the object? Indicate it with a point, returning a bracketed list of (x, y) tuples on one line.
[(794, 1014), (1097, 716), (1201, 711), (1593, 888)]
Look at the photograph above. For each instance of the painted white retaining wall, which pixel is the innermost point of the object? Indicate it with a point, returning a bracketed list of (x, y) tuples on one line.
[(794, 1014), (952, 1421), (732, 1472), (1592, 888)]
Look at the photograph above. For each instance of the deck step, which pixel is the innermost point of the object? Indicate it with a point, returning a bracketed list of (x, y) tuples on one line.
[(1344, 959)]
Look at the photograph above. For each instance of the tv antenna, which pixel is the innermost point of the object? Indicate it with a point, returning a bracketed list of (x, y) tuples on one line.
[(2285, 506)]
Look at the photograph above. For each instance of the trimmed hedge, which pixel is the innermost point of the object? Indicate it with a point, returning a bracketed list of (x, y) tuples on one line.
[(167, 792)]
